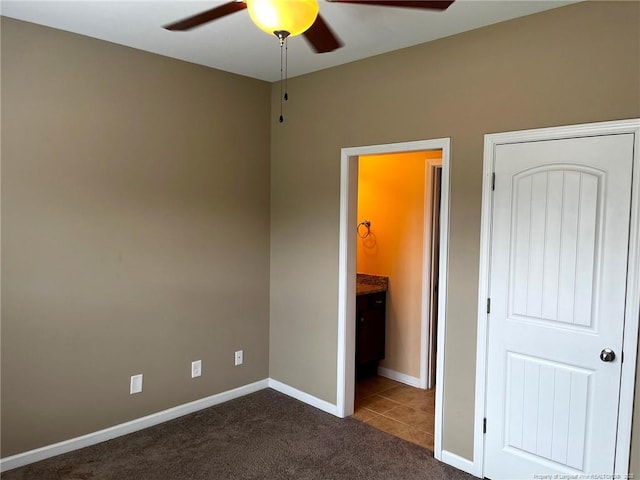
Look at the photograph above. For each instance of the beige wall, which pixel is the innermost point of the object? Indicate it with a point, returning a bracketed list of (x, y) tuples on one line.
[(135, 233), (570, 65), (391, 196)]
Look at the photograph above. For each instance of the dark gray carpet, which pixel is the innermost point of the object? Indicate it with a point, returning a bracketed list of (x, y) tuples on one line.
[(265, 435)]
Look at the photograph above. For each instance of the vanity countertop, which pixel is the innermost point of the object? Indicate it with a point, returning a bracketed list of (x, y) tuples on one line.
[(366, 283)]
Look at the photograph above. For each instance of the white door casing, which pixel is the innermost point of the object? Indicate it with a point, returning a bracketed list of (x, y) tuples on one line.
[(555, 268), (347, 277)]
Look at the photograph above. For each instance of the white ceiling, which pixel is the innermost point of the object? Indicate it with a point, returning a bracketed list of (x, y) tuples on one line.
[(235, 45)]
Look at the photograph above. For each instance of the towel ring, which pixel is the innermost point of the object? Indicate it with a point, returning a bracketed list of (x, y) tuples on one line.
[(366, 224)]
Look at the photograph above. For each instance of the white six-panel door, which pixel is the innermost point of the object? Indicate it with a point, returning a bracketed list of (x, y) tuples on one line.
[(558, 264)]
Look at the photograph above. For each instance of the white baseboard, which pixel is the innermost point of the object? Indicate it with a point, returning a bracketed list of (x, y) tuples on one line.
[(458, 462), (399, 377), (76, 443), (89, 439), (304, 397)]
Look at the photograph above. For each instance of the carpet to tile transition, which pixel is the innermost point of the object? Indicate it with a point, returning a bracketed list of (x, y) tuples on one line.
[(265, 435)]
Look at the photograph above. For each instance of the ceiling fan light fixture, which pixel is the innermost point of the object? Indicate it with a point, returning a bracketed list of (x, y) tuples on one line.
[(292, 16)]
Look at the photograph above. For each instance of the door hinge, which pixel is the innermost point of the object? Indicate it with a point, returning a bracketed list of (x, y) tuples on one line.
[(488, 305), (484, 425), (493, 181)]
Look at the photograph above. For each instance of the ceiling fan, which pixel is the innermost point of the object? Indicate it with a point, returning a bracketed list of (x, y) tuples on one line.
[(316, 31)]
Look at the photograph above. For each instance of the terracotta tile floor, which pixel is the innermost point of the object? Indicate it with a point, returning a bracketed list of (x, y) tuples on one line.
[(396, 408)]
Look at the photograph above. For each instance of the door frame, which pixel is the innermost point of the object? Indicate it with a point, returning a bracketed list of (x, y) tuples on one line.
[(428, 333), (347, 272), (632, 309)]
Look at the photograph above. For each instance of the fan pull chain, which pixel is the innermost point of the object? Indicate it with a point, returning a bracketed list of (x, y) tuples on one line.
[(284, 53), (286, 69), (281, 76)]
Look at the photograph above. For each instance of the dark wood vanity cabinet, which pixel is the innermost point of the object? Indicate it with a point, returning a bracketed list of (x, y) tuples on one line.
[(370, 327)]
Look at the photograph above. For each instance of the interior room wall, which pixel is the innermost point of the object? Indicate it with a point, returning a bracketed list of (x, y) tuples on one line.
[(135, 233), (391, 196), (574, 64)]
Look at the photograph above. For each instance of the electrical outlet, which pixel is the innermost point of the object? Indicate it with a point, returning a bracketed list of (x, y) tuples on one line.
[(238, 358), (196, 368), (136, 384)]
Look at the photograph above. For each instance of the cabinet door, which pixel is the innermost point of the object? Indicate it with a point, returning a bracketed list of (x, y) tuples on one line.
[(370, 330)]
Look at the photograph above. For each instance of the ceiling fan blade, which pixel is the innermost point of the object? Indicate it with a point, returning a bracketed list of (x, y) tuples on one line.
[(207, 16), (321, 38), (427, 4)]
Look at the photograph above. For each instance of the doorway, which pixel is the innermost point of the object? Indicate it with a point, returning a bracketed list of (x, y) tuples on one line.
[(347, 274), (397, 246), (397, 253), (559, 275)]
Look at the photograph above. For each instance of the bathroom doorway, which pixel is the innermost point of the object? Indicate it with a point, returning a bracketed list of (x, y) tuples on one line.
[(397, 250), (433, 280)]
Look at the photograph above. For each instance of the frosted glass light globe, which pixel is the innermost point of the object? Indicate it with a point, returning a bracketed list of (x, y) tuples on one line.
[(293, 16)]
